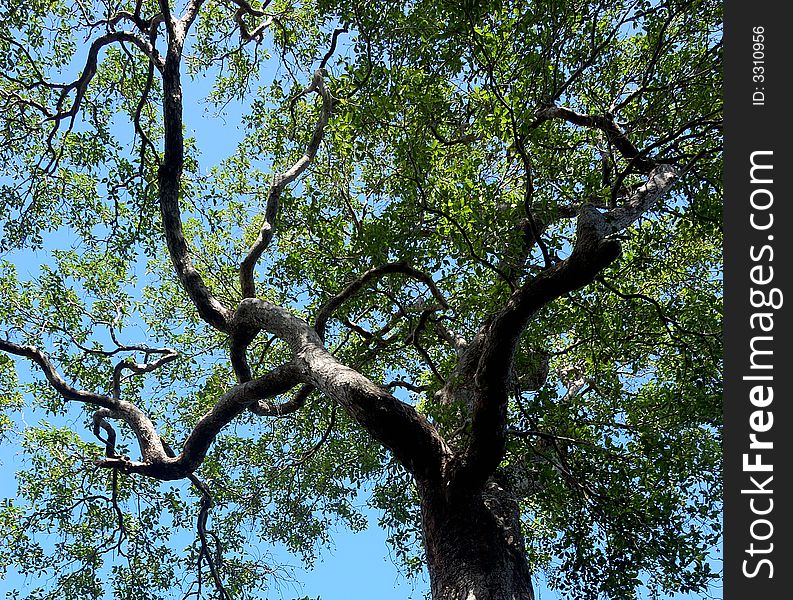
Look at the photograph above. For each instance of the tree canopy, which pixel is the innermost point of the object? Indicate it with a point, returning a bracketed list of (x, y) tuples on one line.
[(463, 258)]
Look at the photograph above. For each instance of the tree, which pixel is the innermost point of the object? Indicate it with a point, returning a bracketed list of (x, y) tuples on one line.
[(466, 255)]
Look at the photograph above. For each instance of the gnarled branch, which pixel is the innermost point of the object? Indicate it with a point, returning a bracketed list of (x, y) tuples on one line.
[(493, 353), (209, 307), (396, 425), (375, 273), (607, 125), (280, 181)]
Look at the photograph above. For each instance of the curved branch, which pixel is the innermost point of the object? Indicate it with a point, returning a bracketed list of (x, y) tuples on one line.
[(593, 251), (204, 552), (148, 439), (54, 378), (246, 9), (136, 119), (156, 458), (336, 33), (353, 288), (80, 85), (161, 464), (606, 124), (264, 408), (280, 181), (100, 423), (396, 425), (139, 368), (233, 403), (209, 308)]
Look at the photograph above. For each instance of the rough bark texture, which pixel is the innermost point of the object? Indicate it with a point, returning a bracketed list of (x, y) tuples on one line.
[(475, 550)]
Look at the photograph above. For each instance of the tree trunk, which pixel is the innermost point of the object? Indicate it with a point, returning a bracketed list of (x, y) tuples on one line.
[(475, 549)]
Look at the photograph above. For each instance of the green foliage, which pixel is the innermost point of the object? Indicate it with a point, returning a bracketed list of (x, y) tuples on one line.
[(419, 163)]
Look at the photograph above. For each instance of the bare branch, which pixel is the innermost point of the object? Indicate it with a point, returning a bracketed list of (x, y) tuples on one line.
[(353, 288), (209, 307), (89, 69), (156, 462), (60, 112), (396, 425), (604, 123), (280, 181)]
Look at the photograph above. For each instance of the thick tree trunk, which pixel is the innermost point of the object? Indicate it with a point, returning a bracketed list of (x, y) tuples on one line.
[(475, 550)]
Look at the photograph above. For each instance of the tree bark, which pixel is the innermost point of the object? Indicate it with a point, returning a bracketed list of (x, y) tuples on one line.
[(475, 549)]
